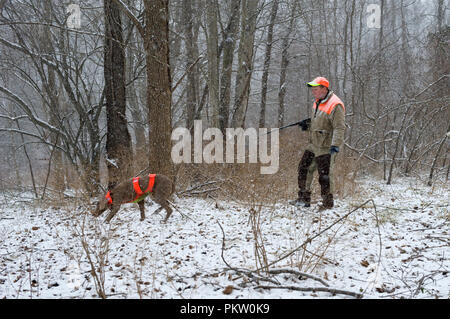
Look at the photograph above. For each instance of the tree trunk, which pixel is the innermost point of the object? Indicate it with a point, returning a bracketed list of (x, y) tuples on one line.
[(284, 66), (406, 76), (433, 166), (245, 56), (190, 43), (397, 144), (137, 111), (229, 44), (265, 76), (159, 85), (440, 15), (213, 61), (50, 89), (118, 140)]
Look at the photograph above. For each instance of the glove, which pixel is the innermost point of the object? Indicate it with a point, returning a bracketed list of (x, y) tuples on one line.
[(334, 149), (305, 124)]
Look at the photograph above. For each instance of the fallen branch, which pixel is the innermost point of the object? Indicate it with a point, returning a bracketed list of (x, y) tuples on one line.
[(247, 272), (315, 289), (204, 191), (254, 273), (297, 273), (310, 239), (189, 190), (178, 210)]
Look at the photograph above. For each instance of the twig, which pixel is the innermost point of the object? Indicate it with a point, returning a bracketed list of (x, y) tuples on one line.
[(377, 269), (298, 273), (310, 239), (247, 272), (315, 289), (204, 191), (186, 72), (176, 208), (223, 248), (49, 166), (197, 186)]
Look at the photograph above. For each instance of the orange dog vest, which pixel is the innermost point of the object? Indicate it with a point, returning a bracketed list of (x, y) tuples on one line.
[(137, 189)]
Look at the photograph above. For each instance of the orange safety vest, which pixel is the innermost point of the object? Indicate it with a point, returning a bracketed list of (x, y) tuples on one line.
[(137, 189), (330, 104)]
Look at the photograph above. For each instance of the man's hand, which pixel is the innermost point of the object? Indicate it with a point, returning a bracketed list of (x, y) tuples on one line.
[(334, 149), (305, 124)]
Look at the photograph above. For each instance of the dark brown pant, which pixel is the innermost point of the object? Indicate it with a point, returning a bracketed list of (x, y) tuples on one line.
[(305, 172)]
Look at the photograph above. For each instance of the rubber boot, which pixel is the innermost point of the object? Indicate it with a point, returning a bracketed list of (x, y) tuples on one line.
[(303, 200), (327, 202)]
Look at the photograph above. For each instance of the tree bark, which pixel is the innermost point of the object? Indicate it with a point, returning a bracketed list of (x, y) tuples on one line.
[(50, 89), (159, 85), (137, 111), (213, 61), (190, 43), (245, 57), (265, 76), (229, 44), (118, 140), (433, 166), (284, 66)]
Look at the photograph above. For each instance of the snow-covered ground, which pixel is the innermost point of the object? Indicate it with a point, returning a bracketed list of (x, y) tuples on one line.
[(398, 250)]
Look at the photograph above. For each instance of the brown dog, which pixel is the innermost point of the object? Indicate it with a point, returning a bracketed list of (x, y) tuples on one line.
[(159, 186)]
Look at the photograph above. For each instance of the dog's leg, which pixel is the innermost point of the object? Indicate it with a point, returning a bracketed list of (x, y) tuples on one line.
[(142, 209), (162, 201), (168, 210), (114, 210)]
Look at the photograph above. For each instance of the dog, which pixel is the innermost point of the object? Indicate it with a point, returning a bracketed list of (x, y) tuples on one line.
[(159, 186)]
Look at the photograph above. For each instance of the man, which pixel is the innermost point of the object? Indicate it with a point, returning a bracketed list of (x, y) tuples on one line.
[(326, 134)]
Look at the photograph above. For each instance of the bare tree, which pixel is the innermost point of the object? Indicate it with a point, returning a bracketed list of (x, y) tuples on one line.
[(229, 44), (267, 56), (213, 60), (73, 116), (191, 54), (245, 57), (155, 34), (284, 65), (118, 140)]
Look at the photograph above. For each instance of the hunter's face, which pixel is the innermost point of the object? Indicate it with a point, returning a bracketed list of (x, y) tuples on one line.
[(319, 92)]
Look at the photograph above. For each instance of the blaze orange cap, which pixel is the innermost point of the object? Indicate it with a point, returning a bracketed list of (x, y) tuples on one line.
[(319, 81)]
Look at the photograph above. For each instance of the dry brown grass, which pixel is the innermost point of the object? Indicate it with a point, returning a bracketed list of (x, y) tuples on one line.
[(238, 182), (244, 182)]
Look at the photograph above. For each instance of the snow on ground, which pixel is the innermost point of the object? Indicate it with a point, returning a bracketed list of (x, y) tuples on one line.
[(399, 250)]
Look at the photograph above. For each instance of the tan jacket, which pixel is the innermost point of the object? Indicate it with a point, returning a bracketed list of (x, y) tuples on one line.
[(327, 126)]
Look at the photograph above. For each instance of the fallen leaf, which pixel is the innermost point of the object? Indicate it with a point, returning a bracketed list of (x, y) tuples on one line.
[(380, 290), (364, 263), (228, 290)]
